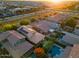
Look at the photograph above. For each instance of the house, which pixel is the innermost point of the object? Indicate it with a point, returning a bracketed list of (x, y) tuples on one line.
[(31, 34), (44, 26), (58, 17), (15, 44), (70, 38), (74, 53), (55, 26), (70, 52), (65, 52)]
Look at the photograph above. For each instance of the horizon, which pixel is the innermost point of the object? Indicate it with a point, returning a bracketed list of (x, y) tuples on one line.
[(39, 0)]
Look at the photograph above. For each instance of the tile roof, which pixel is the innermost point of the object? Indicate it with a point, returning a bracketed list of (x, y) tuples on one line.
[(14, 37), (12, 33), (32, 35), (71, 38), (45, 26), (74, 51), (18, 50), (16, 43)]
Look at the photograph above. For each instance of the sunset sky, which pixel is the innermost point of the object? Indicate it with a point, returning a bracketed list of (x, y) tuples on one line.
[(38, 0), (49, 0)]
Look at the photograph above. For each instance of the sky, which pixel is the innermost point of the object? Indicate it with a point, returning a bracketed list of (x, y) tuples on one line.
[(49, 0), (37, 0)]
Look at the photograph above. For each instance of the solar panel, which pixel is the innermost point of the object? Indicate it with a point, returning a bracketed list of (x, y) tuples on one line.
[(23, 30)]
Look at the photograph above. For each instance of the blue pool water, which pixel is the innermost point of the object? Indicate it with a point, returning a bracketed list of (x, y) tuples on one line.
[(55, 50)]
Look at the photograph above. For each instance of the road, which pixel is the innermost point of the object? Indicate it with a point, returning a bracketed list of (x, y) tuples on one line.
[(13, 18), (19, 17)]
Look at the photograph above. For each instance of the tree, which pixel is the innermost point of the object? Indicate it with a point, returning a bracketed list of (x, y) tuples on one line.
[(8, 27), (69, 23), (40, 53), (33, 19), (25, 22), (14, 26), (48, 44)]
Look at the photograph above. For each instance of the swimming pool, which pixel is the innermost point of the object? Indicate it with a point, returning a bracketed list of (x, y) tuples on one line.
[(55, 50)]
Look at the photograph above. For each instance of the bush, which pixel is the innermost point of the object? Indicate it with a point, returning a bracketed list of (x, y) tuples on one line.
[(14, 26), (33, 19), (9, 27), (24, 22)]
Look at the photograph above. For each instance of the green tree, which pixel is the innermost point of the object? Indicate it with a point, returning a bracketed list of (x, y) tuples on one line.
[(71, 22), (48, 44), (25, 22), (8, 27), (33, 19), (14, 26)]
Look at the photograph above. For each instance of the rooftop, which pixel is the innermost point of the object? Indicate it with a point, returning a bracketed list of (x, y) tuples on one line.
[(13, 35), (65, 52), (32, 35), (15, 43), (74, 51), (58, 17), (45, 26), (71, 38), (19, 50)]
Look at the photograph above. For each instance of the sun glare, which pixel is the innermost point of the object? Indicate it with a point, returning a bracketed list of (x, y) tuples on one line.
[(56, 1)]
